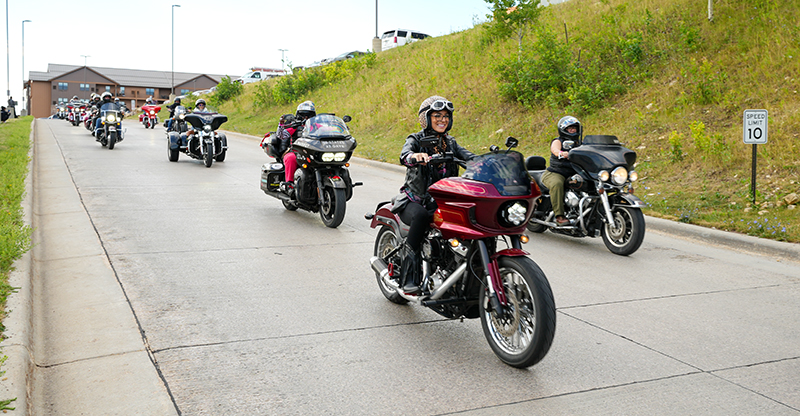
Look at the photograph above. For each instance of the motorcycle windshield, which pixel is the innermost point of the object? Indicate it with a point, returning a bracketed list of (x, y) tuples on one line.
[(110, 107), (506, 171), (325, 126), (180, 110)]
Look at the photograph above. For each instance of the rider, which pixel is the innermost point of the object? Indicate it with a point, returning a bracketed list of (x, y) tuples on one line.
[(105, 104), (200, 106), (293, 127), (171, 109), (414, 204), (569, 128)]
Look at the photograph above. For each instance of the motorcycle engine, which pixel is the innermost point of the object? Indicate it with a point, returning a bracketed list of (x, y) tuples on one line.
[(304, 186), (572, 199)]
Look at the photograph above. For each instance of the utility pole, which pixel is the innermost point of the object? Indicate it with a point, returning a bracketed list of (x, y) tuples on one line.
[(172, 89), (8, 64), (282, 51), (24, 92), (84, 70)]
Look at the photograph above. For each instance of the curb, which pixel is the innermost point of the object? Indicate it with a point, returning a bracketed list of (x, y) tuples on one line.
[(18, 333)]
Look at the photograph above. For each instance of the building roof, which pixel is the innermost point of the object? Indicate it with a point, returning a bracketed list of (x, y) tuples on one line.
[(124, 77)]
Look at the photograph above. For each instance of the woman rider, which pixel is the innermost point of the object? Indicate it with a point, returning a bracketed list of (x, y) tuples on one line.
[(414, 204)]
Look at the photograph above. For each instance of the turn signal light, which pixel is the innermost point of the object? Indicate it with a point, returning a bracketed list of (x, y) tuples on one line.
[(454, 242), (523, 239)]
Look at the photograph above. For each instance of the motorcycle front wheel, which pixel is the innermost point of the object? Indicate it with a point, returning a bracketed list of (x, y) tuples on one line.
[(208, 158), (627, 233), (385, 242), (112, 139), (333, 206), (522, 334)]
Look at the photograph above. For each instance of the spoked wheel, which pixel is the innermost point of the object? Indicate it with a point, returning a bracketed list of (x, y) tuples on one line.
[(333, 206), (522, 334), (112, 140), (627, 233), (385, 242), (208, 158)]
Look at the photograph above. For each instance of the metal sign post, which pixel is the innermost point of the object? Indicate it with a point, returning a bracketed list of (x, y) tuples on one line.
[(755, 125)]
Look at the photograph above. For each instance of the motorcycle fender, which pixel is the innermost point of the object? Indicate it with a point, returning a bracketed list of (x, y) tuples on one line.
[(509, 252), (174, 140), (335, 182), (384, 216), (632, 200)]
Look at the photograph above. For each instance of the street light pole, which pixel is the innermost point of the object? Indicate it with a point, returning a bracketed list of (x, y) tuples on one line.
[(172, 90), (24, 93), (282, 51), (84, 69)]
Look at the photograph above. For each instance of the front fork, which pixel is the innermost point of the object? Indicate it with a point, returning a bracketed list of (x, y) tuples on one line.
[(497, 294)]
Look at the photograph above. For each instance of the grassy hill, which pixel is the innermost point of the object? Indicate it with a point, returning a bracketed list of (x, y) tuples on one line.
[(656, 73)]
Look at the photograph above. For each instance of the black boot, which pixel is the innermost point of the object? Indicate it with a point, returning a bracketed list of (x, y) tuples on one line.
[(412, 272)]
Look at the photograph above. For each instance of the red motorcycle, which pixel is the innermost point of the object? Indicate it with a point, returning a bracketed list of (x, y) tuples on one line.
[(467, 271), (149, 116), (74, 115)]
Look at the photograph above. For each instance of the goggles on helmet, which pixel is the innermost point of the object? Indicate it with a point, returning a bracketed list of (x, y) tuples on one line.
[(439, 105)]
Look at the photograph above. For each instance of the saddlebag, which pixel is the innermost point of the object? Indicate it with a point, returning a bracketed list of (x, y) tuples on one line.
[(271, 176)]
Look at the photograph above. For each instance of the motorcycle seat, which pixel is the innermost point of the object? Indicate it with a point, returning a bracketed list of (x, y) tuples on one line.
[(537, 176)]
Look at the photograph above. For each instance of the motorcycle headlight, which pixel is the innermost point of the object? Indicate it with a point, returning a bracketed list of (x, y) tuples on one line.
[(207, 128), (513, 214), (603, 176), (111, 118), (633, 176), (181, 116), (328, 157), (619, 176), (152, 112), (339, 157)]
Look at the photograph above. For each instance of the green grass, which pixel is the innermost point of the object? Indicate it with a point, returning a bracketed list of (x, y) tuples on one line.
[(14, 234), (656, 73)]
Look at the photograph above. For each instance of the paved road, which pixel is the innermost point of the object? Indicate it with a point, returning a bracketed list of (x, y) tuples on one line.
[(164, 288)]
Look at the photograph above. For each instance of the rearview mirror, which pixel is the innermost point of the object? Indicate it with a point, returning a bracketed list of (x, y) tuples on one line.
[(346, 119), (511, 142), (567, 145)]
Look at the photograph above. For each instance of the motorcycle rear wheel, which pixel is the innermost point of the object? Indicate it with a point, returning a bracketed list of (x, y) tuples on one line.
[(535, 227), (334, 204), (524, 336), (385, 242), (172, 154), (289, 205), (628, 232), (221, 156)]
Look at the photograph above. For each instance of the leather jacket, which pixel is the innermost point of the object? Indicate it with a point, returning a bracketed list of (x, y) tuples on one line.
[(419, 177)]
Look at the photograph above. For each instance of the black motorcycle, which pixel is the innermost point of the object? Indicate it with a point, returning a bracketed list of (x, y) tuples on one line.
[(110, 132), (598, 199), (202, 141), (179, 120), (321, 182)]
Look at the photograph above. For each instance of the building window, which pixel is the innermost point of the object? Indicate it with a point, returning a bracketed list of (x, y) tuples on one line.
[(84, 87), (150, 91), (186, 92), (108, 88), (63, 86), (122, 91), (62, 100)]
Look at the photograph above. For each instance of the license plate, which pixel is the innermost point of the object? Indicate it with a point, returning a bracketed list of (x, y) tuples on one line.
[(112, 128)]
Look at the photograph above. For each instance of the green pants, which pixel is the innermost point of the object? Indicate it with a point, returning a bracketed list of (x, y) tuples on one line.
[(555, 182)]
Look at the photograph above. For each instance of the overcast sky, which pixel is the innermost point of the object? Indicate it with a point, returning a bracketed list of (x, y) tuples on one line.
[(211, 36)]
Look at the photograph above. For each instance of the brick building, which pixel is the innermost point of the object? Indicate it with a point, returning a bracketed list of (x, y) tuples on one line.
[(44, 90)]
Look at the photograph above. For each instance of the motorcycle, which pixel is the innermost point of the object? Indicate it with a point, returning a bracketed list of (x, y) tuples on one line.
[(467, 271), (322, 181), (201, 141), (91, 119), (61, 112), (149, 116), (179, 120), (75, 112), (598, 199), (110, 132)]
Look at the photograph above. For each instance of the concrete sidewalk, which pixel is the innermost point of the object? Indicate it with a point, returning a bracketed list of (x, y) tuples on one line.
[(73, 341)]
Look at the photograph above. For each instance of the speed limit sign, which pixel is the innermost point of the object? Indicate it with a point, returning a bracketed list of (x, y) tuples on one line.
[(755, 126)]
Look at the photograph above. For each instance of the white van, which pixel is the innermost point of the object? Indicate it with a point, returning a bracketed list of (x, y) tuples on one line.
[(399, 37)]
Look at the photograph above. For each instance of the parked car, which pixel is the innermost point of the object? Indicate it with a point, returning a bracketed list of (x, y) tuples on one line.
[(399, 37), (258, 74), (348, 55)]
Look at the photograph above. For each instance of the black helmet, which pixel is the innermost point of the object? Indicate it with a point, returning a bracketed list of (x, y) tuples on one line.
[(432, 104), (567, 122), (306, 110), (286, 119), (106, 95), (177, 101)]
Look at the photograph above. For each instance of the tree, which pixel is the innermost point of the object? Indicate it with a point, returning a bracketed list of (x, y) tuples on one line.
[(511, 17)]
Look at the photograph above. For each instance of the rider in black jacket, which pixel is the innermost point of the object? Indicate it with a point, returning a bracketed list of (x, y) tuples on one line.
[(414, 204)]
